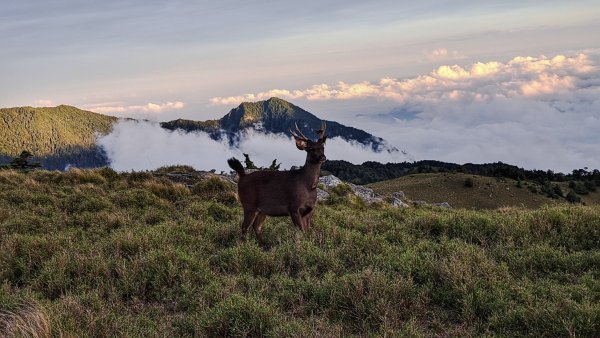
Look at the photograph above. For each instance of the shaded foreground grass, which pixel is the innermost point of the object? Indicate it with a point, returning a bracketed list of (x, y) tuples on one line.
[(95, 253)]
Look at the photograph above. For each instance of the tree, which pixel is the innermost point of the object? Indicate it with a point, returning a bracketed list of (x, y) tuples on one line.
[(274, 165), (22, 161), (249, 163)]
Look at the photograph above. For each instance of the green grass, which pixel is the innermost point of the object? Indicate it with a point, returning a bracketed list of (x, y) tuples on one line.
[(95, 253), (485, 192)]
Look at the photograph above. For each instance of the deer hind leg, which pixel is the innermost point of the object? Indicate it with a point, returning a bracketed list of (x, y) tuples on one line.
[(306, 214), (299, 218), (249, 216), (257, 226)]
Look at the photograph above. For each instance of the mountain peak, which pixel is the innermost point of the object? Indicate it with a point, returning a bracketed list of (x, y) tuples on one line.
[(274, 109), (277, 116)]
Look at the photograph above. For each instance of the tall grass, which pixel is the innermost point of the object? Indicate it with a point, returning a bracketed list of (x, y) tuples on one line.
[(106, 254)]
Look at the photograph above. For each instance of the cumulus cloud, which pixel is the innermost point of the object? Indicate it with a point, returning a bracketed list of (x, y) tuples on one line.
[(117, 108), (537, 112), (521, 76), (142, 145)]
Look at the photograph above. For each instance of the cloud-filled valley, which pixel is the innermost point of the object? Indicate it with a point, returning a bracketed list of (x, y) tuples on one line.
[(143, 145)]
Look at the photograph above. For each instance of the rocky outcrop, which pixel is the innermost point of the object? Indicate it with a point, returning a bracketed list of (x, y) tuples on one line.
[(398, 203), (445, 205), (364, 193), (330, 181), (322, 194)]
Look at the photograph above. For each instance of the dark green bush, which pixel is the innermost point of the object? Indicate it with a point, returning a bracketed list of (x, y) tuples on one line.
[(572, 197)]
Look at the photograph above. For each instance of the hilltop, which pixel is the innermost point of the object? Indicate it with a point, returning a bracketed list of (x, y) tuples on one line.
[(97, 253), (55, 135), (482, 192)]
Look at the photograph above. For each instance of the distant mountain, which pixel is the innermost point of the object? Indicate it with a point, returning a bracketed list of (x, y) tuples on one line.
[(56, 136), (65, 135), (275, 116)]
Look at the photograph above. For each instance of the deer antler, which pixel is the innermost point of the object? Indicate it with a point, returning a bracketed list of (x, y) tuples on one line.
[(302, 137), (321, 131)]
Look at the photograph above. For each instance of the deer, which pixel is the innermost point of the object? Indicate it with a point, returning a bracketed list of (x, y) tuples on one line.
[(282, 193)]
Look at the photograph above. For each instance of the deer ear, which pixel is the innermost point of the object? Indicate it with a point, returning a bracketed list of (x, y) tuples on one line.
[(301, 144)]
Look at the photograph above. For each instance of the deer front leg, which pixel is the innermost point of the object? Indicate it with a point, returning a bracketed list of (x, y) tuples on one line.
[(257, 226), (249, 217), (308, 218)]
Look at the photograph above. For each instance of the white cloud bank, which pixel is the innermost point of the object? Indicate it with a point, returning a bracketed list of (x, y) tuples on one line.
[(140, 145), (520, 77), (536, 112)]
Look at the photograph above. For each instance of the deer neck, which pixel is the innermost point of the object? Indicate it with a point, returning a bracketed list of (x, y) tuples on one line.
[(311, 173)]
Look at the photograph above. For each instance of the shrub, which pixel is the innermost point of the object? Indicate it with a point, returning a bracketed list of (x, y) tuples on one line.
[(108, 173), (239, 316), (216, 189), (589, 186), (572, 197), (220, 212), (342, 190), (468, 182), (29, 320), (76, 175), (166, 189), (176, 168)]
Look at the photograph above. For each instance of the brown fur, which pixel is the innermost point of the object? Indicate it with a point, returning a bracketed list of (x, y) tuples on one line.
[(281, 193)]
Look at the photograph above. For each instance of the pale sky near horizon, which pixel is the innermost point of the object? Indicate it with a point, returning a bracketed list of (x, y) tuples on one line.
[(376, 65)]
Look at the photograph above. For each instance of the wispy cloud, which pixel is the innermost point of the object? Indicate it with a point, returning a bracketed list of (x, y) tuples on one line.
[(442, 54), (116, 108), (43, 103), (520, 77)]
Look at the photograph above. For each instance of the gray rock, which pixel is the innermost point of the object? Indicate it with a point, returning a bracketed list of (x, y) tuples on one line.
[(330, 181), (362, 192), (443, 205), (419, 203), (322, 194), (396, 202), (399, 195)]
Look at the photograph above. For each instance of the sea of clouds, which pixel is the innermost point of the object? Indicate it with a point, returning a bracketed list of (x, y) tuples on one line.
[(145, 145), (535, 112)]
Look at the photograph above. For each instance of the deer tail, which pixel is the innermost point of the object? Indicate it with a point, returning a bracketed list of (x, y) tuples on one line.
[(236, 165)]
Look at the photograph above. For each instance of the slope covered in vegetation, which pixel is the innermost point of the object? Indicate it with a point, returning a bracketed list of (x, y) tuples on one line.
[(56, 136), (96, 253), (47, 131), (481, 192)]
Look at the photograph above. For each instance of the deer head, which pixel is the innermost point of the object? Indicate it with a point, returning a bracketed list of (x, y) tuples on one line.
[(315, 150)]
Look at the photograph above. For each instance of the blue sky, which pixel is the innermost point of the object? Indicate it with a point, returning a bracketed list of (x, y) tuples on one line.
[(197, 59)]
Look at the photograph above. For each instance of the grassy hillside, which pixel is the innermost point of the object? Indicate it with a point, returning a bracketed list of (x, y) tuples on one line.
[(486, 192), (50, 131), (95, 253)]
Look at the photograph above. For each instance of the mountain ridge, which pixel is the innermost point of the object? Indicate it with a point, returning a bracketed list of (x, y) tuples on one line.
[(275, 116), (66, 135)]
